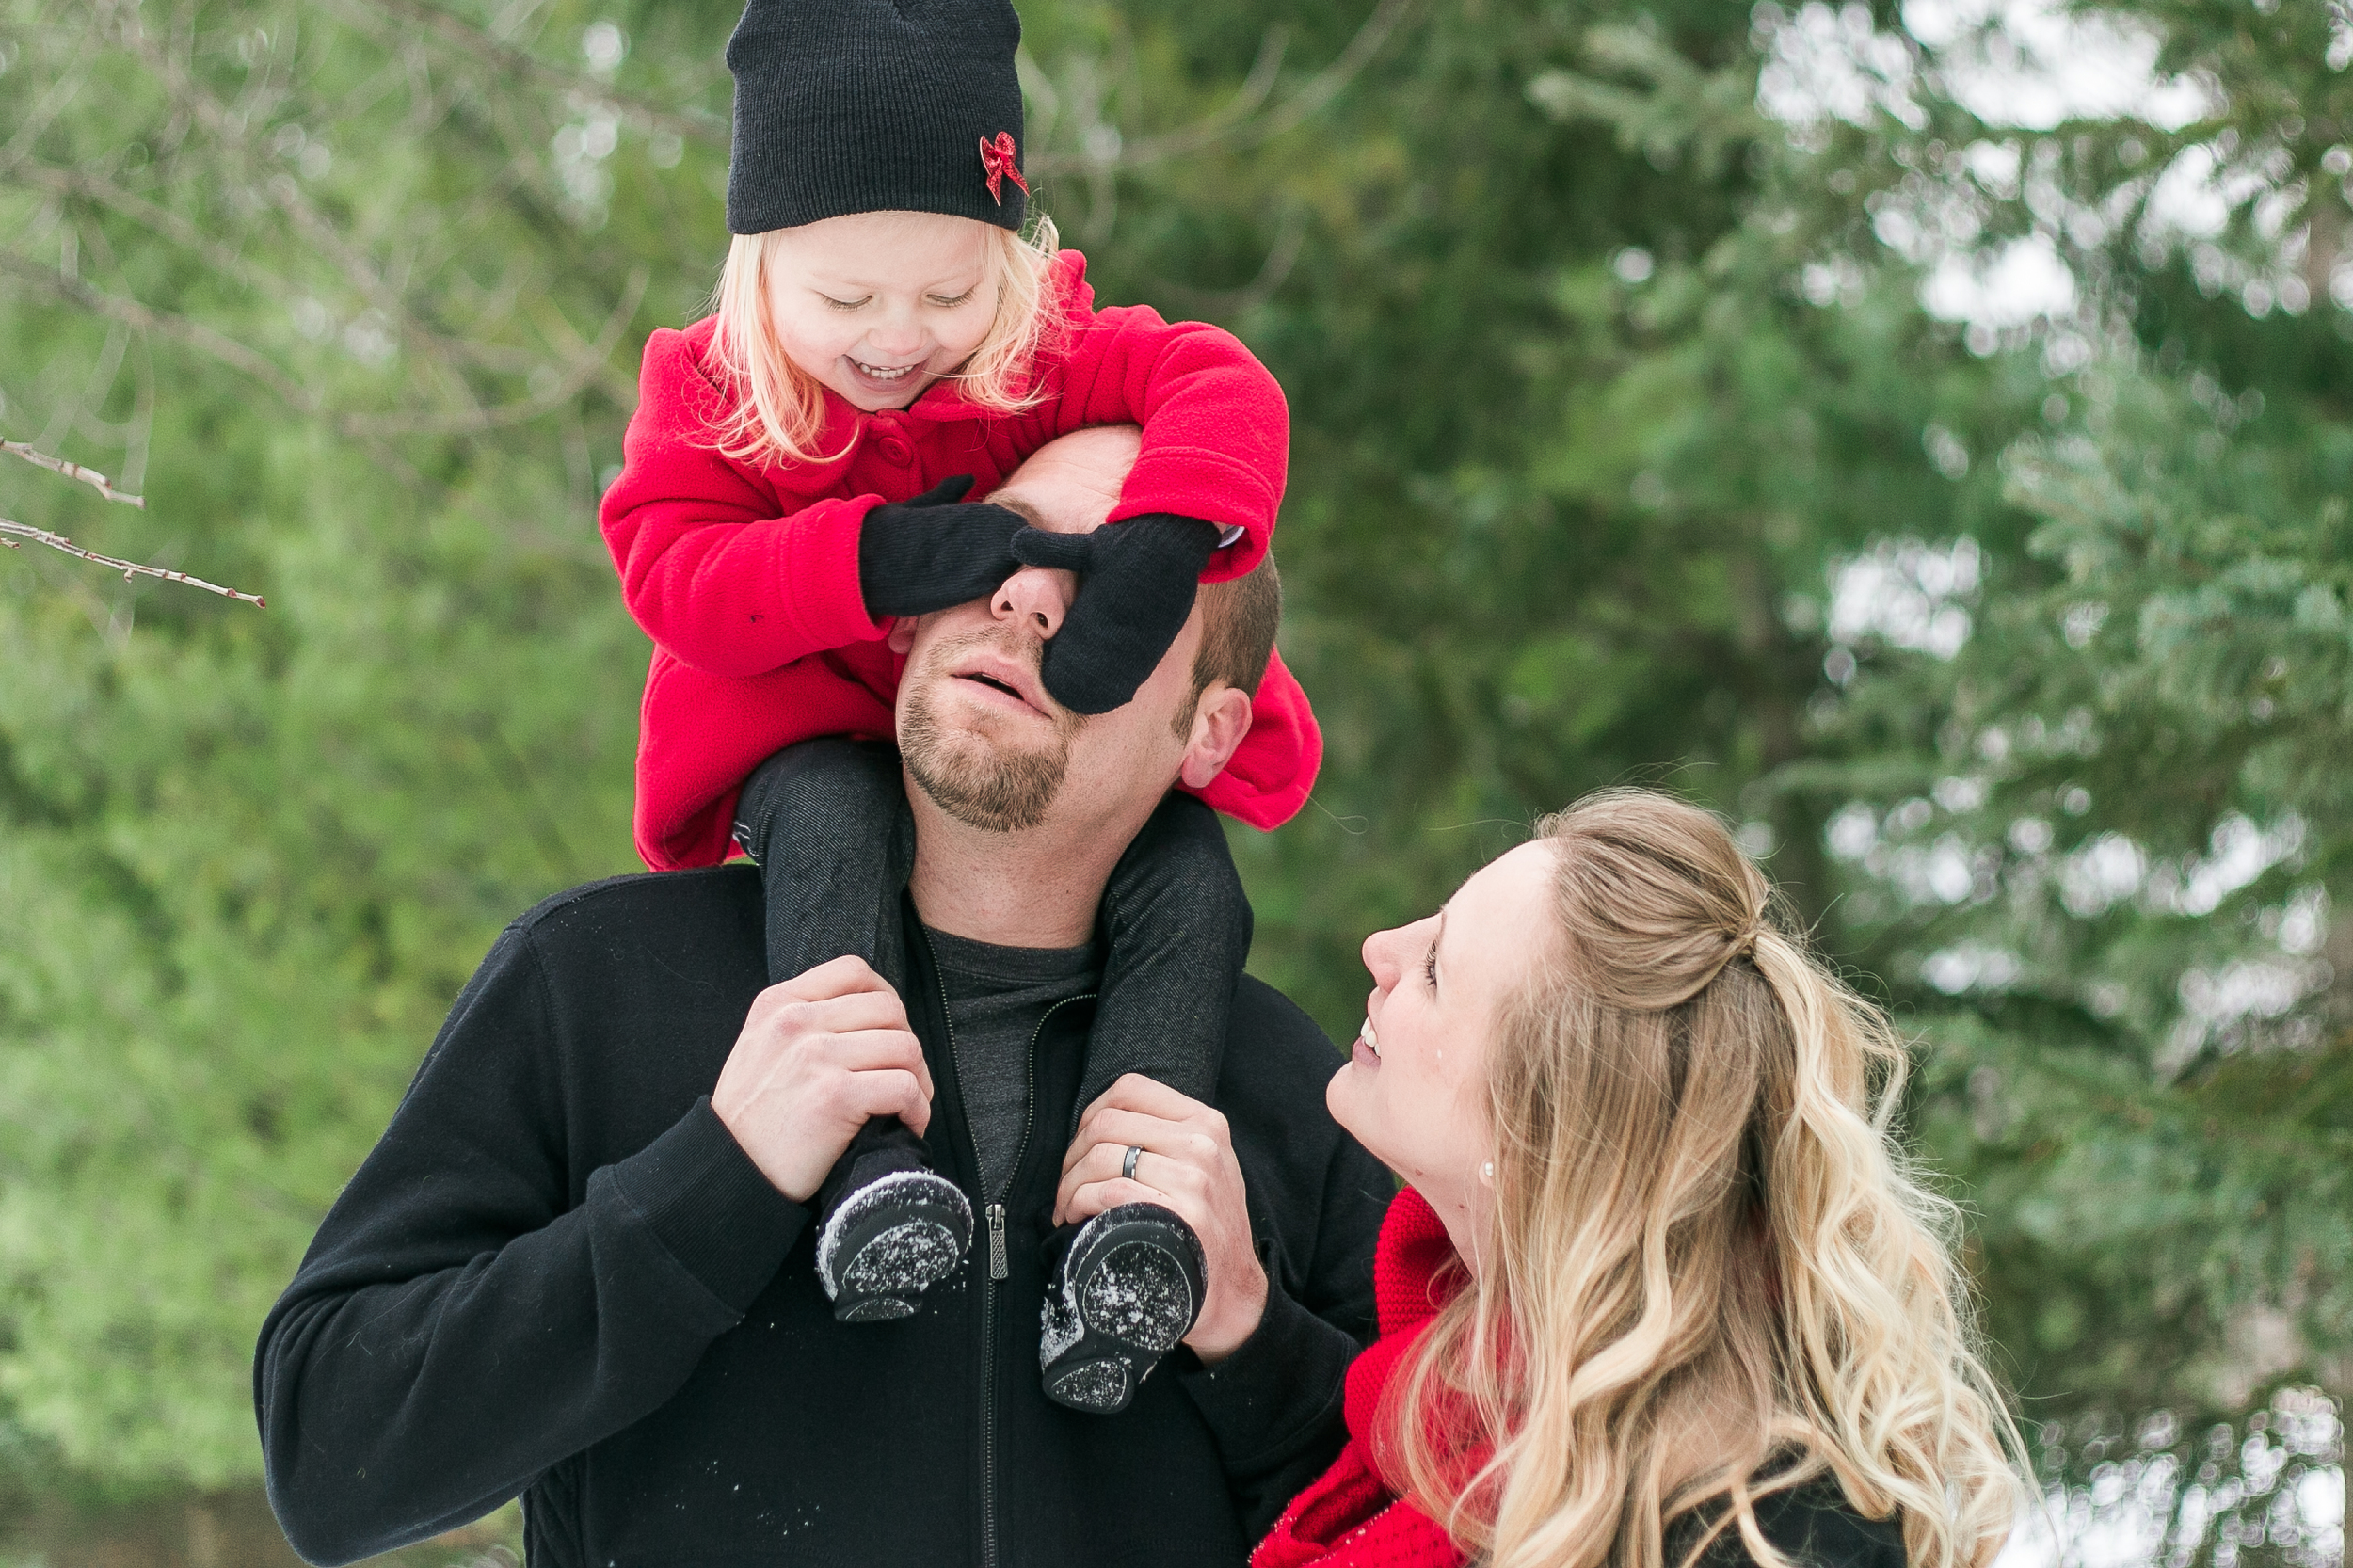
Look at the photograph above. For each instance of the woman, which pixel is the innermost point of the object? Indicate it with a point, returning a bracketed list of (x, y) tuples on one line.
[(1659, 1288)]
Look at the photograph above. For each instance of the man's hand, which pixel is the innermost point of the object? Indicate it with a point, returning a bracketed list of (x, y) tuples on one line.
[(819, 1055), (1187, 1165)]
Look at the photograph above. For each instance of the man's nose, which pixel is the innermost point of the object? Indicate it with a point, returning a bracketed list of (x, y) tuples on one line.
[(1037, 597)]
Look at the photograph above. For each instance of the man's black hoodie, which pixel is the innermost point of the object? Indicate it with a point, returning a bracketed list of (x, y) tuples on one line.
[(558, 1275)]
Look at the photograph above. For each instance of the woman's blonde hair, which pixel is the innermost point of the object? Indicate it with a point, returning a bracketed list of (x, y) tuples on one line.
[(778, 408), (1709, 1275)]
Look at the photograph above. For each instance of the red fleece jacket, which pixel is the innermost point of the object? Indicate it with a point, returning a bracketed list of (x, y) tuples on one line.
[(746, 577), (1352, 1516)]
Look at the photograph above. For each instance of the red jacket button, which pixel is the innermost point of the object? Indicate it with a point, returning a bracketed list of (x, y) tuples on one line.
[(896, 448)]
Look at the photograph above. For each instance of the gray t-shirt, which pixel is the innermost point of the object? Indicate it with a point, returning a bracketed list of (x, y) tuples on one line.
[(997, 998)]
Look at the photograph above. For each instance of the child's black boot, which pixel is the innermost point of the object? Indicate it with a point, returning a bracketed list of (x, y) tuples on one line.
[(890, 1225), (1127, 1285), (828, 822), (1122, 1290)]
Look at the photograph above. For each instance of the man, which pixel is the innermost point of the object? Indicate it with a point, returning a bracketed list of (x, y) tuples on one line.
[(576, 1266)]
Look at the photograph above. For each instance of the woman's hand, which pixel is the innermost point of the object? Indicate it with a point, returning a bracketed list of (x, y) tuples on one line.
[(1187, 1166)]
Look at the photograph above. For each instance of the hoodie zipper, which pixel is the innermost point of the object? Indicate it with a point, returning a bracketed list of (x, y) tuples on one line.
[(997, 1267)]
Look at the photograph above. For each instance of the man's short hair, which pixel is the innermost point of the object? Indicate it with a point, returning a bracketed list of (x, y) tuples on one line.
[(1238, 619)]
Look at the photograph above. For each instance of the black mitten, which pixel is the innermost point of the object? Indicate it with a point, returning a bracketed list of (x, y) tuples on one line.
[(1136, 583), (937, 550)]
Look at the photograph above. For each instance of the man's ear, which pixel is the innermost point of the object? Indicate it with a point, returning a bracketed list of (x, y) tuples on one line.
[(1219, 723), (901, 635)]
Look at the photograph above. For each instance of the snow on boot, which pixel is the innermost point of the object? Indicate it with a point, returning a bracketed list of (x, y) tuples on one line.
[(1128, 1288), (892, 1225)]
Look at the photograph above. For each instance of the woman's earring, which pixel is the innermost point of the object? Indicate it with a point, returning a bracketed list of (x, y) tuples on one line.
[(1487, 1172)]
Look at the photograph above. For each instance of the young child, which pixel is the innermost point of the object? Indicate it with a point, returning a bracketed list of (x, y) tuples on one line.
[(886, 339)]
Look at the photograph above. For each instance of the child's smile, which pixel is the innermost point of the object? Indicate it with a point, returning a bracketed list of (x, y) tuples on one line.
[(886, 382)]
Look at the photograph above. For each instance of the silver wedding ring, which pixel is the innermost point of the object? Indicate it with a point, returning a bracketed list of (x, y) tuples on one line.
[(1128, 1165)]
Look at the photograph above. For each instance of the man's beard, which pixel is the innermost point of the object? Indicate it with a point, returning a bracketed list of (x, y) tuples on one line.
[(994, 786)]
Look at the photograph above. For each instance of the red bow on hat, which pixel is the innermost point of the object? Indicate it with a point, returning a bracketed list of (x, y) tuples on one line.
[(997, 159)]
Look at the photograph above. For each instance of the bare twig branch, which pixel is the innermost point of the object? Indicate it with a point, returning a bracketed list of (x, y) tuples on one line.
[(96, 188), (11, 532), (1326, 83), (1283, 255), (89, 476), (586, 366), (1248, 100), (481, 46), (1239, 121), (177, 327), (596, 358), (456, 351), (231, 124), (53, 101)]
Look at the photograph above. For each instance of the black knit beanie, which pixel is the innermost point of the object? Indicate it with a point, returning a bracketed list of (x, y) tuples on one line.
[(875, 106)]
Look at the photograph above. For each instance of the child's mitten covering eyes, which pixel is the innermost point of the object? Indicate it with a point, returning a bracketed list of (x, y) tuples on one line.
[(933, 552), (1136, 581)]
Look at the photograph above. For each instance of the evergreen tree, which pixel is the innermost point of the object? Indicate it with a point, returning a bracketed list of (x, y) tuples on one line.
[(1625, 448)]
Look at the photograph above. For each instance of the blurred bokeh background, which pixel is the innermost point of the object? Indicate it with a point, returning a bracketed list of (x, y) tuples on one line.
[(1922, 431)]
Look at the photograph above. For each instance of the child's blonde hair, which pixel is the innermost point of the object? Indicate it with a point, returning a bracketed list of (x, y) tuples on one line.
[(779, 408)]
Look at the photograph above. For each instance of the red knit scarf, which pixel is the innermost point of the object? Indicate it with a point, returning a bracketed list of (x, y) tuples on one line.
[(1351, 1517)]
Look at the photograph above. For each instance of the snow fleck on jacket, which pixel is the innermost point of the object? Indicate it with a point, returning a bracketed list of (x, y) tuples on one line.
[(1350, 1517), (746, 577)]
